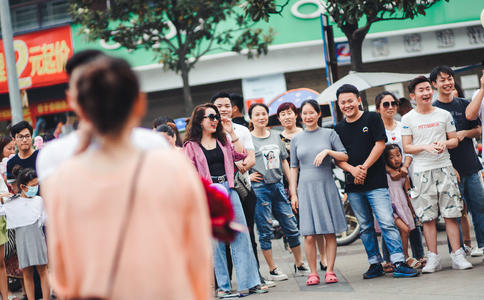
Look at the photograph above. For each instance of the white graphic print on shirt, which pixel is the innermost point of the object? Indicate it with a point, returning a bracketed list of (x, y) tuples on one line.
[(271, 155)]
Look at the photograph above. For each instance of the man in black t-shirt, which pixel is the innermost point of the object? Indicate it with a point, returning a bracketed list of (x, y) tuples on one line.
[(363, 135), (26, 156), (464, 158)]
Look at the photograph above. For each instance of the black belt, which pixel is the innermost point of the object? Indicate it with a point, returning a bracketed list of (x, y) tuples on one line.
[(219, 179)]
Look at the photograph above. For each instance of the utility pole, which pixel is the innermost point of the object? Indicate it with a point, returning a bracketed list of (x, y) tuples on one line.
[(330, 61), (13, 87)]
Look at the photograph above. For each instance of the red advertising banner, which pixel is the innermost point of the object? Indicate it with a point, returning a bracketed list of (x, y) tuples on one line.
[(38, 109), (41, 57)]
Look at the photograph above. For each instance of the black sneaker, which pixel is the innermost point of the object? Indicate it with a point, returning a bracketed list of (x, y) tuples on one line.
[(302, 270), (401, 269), (375, 270), (258, 289)]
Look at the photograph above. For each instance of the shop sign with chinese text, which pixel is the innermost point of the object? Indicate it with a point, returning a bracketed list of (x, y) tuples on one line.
[(40, 56)]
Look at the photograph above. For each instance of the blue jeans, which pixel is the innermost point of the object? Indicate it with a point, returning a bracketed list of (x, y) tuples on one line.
[(242, 255), (272, 201), (377, 201), (471, 189)]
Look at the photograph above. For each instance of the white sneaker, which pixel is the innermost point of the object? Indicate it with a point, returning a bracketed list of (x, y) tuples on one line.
[(277, 275), (459, 260), (476, 251), (433, 263), (467, 250), (269, 283)]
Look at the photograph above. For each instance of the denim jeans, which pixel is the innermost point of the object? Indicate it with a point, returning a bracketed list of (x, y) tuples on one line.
[(242, 255), (272, 201), (473, 192), (364, 205)]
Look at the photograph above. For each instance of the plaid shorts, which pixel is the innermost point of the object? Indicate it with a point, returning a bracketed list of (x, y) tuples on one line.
[(435, 190)]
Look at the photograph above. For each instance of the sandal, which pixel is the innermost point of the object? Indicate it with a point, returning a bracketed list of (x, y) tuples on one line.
[(330, 277), (388, 267), (313, 279), (412, 262), (422, 261)]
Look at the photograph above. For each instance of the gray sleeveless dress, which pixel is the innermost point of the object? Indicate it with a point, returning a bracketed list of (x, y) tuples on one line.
[(320, 207)]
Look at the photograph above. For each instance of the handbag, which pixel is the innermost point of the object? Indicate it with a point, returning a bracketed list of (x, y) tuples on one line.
[(242, 184), (122, 234)]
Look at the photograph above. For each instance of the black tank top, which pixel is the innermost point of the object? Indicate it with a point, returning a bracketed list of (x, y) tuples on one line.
[(215, 160)]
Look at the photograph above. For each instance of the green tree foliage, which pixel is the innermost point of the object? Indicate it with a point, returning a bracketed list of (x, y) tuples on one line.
[(193, 25), (355, 17)]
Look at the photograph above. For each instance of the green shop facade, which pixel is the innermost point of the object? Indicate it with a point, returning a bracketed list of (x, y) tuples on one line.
[(451, 33)]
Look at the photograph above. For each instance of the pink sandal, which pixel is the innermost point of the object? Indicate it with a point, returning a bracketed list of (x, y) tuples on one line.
[(313, 279), (330, 277)]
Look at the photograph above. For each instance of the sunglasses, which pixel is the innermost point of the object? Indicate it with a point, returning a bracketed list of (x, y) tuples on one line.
[(387, 104), (213, 117)]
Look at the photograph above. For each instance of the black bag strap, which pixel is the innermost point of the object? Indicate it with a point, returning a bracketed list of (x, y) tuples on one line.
[(122, 231)]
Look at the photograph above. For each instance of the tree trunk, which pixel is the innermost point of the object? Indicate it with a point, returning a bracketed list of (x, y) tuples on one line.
[(187, 93), (356, 45)]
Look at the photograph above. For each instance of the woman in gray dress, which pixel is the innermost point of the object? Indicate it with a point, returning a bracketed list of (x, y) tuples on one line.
[(316, 195)]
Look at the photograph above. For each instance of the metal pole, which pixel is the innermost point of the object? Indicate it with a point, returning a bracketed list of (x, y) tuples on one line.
[(329, 77), (13, 88), (325, 52)]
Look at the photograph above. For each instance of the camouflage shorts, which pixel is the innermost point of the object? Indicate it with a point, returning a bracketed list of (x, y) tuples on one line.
[(436, 189)]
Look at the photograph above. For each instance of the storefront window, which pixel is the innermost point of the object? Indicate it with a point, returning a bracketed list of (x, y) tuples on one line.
[(29, 15), (24, 18), (54, 12)]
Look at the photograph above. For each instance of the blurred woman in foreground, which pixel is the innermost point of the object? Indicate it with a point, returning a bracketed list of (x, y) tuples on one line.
[(115, 220)]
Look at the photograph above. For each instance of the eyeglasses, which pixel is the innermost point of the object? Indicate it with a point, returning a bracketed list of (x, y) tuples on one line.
[(212, 117), (387, 104), (22, 137)]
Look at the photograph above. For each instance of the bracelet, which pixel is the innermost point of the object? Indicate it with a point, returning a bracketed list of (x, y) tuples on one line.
[(235, 141)]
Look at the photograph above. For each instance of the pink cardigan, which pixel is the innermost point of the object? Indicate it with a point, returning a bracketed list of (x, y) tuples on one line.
[(195, 153)]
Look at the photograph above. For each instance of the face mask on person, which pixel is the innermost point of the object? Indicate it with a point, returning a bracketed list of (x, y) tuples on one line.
[(32, 191)]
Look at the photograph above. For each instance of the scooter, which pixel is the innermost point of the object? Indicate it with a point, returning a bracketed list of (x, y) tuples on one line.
[(353, 231)]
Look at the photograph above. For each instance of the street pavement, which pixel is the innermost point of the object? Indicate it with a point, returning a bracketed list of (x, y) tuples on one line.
[(351, 263)]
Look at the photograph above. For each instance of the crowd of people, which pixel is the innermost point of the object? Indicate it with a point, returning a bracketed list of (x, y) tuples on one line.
[(119, 203)]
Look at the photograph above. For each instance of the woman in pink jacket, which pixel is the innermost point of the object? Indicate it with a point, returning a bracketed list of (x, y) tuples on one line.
[(213, 155)]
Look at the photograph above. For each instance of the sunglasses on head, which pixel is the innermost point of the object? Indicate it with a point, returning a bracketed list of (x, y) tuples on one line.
[(213, 117), (387, 104)]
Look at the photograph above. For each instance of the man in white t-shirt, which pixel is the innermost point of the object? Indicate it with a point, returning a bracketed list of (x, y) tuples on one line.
[(59, 150), (54, 153), (222, 102), (475, 109), (427, 133)]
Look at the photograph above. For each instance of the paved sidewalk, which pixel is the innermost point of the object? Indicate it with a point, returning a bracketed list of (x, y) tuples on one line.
[(351, 263)]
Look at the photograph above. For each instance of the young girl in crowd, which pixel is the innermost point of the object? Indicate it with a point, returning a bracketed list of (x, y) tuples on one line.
[(266, 177), (403, 213), (26, 215)]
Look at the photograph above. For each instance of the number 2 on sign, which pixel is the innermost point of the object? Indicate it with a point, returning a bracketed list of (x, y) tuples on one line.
[(23, 58)]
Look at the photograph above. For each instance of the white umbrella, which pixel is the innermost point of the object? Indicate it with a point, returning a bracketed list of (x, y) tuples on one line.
[(363, 81)]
